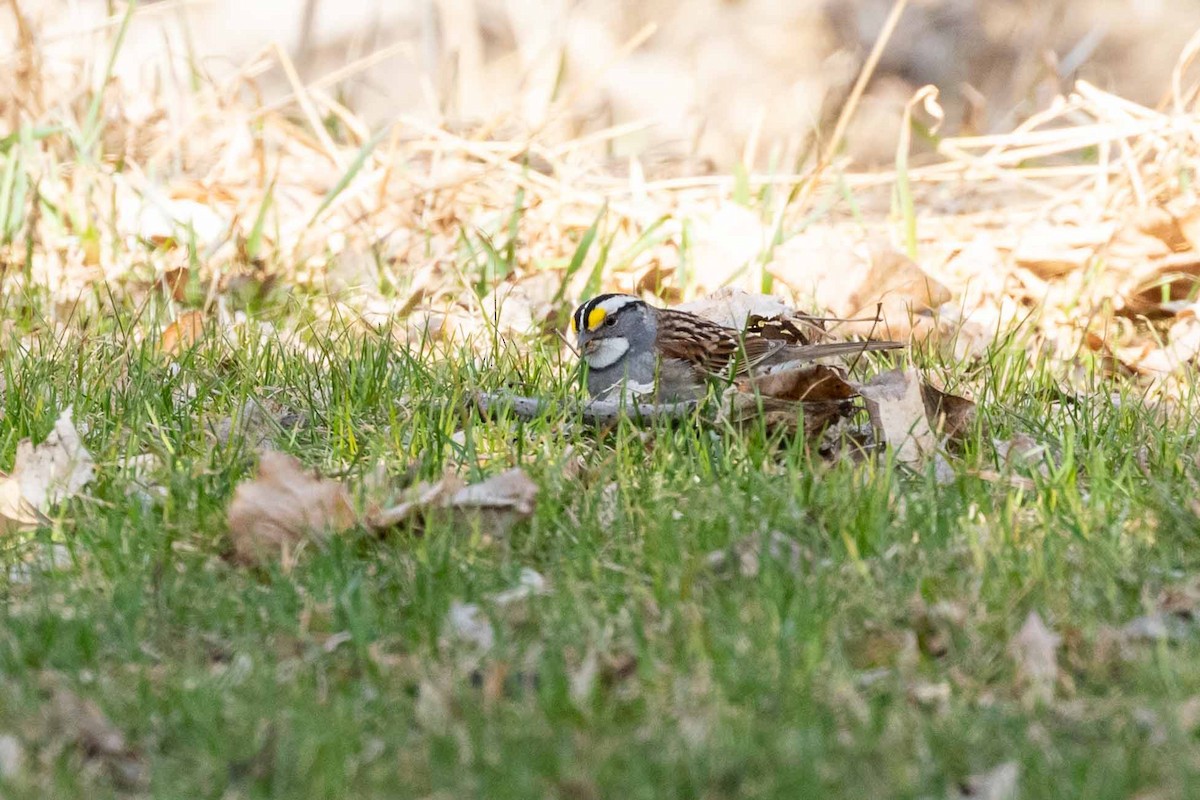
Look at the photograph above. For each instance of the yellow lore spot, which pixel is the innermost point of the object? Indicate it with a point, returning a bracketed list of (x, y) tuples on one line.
[(596, 318)]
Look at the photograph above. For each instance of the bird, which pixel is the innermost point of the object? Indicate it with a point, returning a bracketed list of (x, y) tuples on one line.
[(629, 345)]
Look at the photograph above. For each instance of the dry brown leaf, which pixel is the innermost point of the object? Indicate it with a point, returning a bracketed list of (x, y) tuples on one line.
[(903, 289), (1187, 220), (852, 278), (897, 408), (804, 382), (282, 508), (491, 507), (784, 416), (183, 333), (1151, 232), (53, 471), (950, 415), (175, 283), (1051, 251), (1034, 648)]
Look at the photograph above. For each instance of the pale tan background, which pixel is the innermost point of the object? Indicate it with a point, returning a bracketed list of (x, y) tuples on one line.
[(724, 80)]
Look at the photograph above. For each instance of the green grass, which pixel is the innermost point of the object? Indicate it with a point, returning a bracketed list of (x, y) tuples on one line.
[(341, 678)]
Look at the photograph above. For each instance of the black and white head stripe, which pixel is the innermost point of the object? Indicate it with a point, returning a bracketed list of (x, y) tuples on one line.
[(592, 314)]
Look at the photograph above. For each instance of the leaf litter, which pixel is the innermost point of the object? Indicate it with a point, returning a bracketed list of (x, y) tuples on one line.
[(1034, 650), (44, 475), (285, 508)]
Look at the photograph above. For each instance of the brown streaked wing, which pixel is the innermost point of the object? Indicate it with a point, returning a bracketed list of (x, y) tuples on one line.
[(706, 344)]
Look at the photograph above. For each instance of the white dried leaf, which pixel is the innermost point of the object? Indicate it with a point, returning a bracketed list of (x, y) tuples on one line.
[(492, 506), (898, 413), (531, 583), (1035, 650), (467, 623), (733, 307), (53, 471), (12, 756), (998, 783)]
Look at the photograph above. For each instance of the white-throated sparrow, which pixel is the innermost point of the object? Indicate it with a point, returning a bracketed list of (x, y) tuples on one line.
[(626, 342)]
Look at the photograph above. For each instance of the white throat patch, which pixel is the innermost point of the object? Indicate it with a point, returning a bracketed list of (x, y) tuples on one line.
[(606, 352)]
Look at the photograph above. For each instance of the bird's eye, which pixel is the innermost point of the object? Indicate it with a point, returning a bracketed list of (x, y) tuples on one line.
[(610, 322)]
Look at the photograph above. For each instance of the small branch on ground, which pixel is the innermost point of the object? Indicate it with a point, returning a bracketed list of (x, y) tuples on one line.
[(593, 412)]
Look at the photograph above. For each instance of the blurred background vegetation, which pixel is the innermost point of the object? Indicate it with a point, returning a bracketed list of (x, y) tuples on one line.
[(703, 84)]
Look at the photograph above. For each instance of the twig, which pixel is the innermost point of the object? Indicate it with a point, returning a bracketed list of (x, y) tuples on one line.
[(856, 93), (594, 412)]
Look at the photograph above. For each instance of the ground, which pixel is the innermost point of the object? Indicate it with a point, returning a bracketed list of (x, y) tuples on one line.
[(260, 541), (721, 615)]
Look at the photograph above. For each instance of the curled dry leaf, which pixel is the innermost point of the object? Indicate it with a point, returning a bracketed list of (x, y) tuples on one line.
[(1034, 648), (492, 506), (950, 415), (897, 408), (53, 471), (284, 506)]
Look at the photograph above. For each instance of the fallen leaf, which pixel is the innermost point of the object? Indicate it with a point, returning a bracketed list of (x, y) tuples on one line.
[(781, 416), (283, 507), (803, 383), (1050, 251), (165, 221), (12, 756), (931, 695), (80, 722), (467, 624), (175, 283), (530, 583), (998, 783), (854, 278), (492, 506), (1034, 648), (53, 471), (182, 334), (724, 242), (897, 409), (950, 415), (522, 307), (733, 307)]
